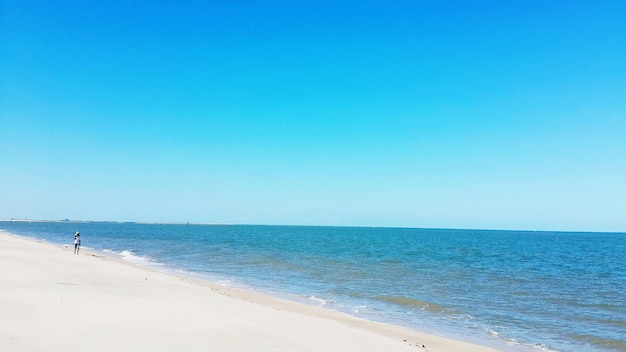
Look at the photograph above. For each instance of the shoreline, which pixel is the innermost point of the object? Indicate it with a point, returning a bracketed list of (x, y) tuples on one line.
[(54, 298)]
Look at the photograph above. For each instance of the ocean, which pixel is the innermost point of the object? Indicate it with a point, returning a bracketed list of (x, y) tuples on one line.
[(512, 290)]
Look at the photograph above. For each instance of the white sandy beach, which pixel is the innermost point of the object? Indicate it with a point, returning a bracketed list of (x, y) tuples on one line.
[(53, 300)]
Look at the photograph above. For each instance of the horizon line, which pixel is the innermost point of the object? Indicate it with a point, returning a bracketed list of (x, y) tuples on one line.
[(288, 225)]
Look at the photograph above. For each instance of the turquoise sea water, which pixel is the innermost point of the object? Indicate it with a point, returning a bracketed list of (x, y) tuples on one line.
[(517, 291)]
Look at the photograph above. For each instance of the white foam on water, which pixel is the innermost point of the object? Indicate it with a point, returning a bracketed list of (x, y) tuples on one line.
[(321, 301), (359, 309), (134, 258)]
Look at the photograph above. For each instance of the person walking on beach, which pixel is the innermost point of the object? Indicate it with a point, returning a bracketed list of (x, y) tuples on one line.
[(76, 242)]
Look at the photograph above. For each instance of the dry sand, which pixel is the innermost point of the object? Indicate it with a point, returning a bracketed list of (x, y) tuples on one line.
[(53, 300)]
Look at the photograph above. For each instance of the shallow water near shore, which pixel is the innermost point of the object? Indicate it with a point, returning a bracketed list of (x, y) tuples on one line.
[(513, 290)]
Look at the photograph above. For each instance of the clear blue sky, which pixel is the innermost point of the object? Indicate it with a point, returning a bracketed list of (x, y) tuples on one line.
[(491, 114)]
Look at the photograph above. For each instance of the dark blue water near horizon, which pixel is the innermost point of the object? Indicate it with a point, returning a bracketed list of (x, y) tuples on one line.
[(513, 290)]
